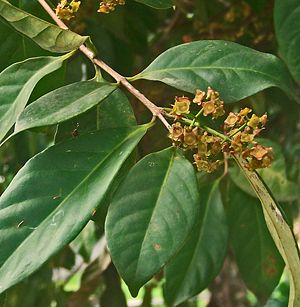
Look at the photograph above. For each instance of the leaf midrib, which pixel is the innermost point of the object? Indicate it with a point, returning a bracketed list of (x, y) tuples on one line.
[(41, 123), (77, 187), (199, 241), (154, 209), (143, 74), (12, 106)]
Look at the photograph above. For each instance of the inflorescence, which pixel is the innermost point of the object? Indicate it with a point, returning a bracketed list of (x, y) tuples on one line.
[(238, 136), (67, 10)]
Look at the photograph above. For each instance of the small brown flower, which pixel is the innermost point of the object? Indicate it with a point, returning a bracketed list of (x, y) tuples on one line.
[(245, 112), (247, 137), (190, 137), (254, 121), (181, 106), (263, 119), (202, 148), (231, 119), (208, 107), (176, 132), (260, 151), (211, 94), (199, 96)]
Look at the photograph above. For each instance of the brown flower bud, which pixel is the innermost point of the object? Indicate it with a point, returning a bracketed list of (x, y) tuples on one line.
[(199, 97), (211, 94), (245, 112), (263, 119), (254, 121)]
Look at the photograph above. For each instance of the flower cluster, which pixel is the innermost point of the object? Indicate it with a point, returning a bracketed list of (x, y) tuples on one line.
[(238, 137), (108, 6), (67, 11), (241, 128), (209, 102)]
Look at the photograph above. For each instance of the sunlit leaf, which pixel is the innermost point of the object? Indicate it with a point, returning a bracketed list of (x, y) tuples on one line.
[(45, 34)]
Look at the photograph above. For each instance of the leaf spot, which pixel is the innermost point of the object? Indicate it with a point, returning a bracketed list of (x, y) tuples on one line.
[(157, 246)]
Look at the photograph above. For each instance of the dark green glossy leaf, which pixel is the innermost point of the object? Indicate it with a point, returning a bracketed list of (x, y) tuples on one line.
[(233, 70), (258, 259), (280, 231), (202, 257), (55, 194), (151, 215), (45, 34), (17, 83), (287, 27), (158, 4), (63, 104), (274, 176), (113, 112), (11, 46)]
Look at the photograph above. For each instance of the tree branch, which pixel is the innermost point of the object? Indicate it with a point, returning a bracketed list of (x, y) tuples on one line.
[(155, 110)]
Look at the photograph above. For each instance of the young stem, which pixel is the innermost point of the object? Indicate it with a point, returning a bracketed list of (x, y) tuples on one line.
[(196, 116), (194, 123), (237, 131), (156, 111)]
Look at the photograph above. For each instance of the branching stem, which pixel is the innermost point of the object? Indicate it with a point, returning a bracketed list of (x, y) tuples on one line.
[(155, 110)]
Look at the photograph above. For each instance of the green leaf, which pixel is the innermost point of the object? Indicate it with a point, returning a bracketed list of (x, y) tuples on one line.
[(274, 176), (11, 46), (157, 4), (55, 194), (233, 70), (280, 231), (17, 83), (63, 104), (202, 257), (258, 259), (45, 34), (287, 28), (113, 112), (151, 215)]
